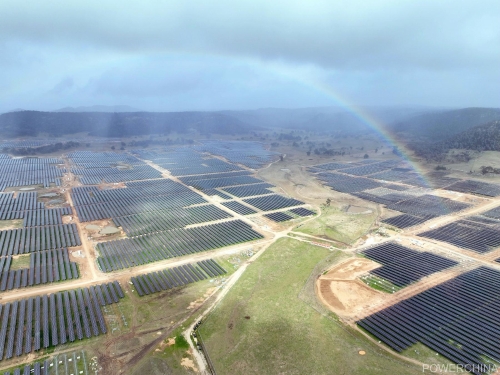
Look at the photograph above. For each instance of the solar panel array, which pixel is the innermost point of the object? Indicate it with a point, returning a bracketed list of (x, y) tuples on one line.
[(45, 216), (249, 190), (301, 211), (402, 265), (251, 154), (97, 167), (406, 220), (429, 205), (278, 217), (45, 267), (494, 213), (138, 197), (177, 276), (467, 234), (158, 221), (347, 184), (185, 161), (239, 208), (129, 252), (56, 319), (27, 240), (476, 187), (219, 182), (457, 319), (346, 178), (272, 202), (29, 171), (212, 192)]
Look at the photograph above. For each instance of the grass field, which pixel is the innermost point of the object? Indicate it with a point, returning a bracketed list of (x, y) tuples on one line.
[(337, 225), (22, 261), (262, 327), (11, 224)]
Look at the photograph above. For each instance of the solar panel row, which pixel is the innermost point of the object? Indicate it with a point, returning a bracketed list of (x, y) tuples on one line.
[(27, 240), (130, 252), (45, 267), (57, 318), (175, 277), (457, 319)]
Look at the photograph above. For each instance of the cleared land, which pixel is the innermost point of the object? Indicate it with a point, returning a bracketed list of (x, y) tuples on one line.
[(262, 327), (334, 224)]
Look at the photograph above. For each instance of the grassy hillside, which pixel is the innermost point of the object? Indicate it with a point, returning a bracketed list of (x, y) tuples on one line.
[(262, 327)]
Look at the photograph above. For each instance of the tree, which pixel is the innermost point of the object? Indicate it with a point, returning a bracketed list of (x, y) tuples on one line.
[(328, 201), (112, 147), (366, 156), (308, 153)]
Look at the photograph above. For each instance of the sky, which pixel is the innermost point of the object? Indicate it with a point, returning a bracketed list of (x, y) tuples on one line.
[(162, 55)]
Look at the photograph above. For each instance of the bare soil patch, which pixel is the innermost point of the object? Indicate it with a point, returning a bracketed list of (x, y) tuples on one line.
[(350, 269), (347, 297), (358, 210)]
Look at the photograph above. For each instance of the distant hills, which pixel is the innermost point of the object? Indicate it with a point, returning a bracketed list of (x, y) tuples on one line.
[(116, 121), (414, 125), (327, 119), (100, 108), (104, 124), (480, 138), (484, 137), (441, 125)]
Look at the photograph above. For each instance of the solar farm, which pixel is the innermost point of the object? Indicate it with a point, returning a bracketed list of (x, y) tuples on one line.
[(75, 223), (397, 186), (433, 280), (84, 234)]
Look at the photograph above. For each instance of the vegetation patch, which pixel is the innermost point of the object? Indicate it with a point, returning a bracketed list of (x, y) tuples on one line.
[(334, 224), (286, 335)]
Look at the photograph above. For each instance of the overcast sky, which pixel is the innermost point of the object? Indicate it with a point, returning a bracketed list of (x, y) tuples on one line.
[(197, 55)]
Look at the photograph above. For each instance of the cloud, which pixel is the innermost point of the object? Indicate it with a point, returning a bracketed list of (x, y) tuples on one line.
[(332, 34), (63, 86), (201, 55)]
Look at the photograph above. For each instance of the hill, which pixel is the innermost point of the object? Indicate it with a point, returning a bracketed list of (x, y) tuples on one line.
[(327, 119), (484, 137), (32, 123), (100, 108), (480, 138), (439, 126)]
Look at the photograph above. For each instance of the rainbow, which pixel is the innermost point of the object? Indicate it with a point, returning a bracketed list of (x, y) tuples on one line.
[(362, 115), (293, 75)]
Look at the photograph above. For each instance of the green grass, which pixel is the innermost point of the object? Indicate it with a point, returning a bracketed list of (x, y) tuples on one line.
[(334, 224), (16, 223), (284, 335), (22, 261)]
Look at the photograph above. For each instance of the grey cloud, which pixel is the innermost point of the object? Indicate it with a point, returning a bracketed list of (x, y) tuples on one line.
[(356, 34), (63, 86)]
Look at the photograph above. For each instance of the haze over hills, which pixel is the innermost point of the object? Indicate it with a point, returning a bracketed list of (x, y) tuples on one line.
[(438, 126), (328, 119), (100, 108), (484, 137), (417, 124), (105, 124)]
